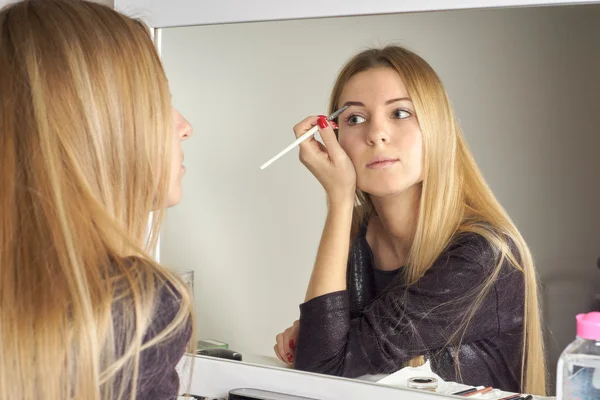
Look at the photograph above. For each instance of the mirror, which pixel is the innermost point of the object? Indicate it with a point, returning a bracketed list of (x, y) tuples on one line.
[(524, 84)]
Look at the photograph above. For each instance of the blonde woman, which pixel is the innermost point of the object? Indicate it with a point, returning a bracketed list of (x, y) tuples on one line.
[(417, 258), (89, 147)]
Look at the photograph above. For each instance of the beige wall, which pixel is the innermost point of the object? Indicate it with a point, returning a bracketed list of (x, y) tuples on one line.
[(105, 2), (523, 82)]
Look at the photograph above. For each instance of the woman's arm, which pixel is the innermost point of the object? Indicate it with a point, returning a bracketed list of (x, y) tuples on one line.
[(407, 321), (329, 272), (332, 167)]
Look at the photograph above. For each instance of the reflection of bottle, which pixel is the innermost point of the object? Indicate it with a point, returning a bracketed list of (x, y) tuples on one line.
[(578, 371), (188, 279)]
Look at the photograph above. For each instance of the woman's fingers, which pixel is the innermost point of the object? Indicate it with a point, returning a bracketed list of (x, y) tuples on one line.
[(328, 162), (289, 353), (285, 348), (330, 139), (276, 351), (280, 348), (305, 125)]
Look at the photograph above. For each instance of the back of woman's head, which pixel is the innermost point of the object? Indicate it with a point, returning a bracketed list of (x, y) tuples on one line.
[(85, 134)]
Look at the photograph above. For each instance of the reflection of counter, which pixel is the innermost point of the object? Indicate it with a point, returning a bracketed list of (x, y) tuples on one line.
[(215, 377), (265, 360), (277, 363)]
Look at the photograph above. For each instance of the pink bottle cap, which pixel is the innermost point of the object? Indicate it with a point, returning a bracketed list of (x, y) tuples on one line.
[(588, 326)]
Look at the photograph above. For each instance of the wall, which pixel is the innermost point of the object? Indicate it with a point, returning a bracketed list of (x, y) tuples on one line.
[(524, 85), (110, 3)]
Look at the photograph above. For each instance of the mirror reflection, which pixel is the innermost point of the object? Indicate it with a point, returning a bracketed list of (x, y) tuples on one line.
[(460, 171)]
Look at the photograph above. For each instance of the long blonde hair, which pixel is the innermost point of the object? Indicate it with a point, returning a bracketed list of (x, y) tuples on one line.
[(85, 144), (455, 197)]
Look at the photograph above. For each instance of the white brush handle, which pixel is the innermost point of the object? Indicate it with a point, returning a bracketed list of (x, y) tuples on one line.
[(296, 142)]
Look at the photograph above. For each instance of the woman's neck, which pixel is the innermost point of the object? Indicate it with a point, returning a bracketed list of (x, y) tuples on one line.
[(396, 222)]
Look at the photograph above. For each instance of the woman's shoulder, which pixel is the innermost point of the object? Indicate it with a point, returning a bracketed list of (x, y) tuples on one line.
[(148, 278), (168, 299), (471, 245), (482, 248), (168, 304)]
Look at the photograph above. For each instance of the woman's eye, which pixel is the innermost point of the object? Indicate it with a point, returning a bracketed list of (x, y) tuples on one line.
[(401, 114), (355, 120)]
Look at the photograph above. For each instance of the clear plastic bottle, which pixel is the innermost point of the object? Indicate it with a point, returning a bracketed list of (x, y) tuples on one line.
[(578, 371)]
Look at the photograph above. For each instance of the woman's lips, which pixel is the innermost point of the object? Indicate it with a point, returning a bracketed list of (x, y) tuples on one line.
[(379, 163)]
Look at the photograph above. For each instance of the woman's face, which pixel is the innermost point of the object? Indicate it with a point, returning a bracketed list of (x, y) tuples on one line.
[(380, 132), (182, 130)]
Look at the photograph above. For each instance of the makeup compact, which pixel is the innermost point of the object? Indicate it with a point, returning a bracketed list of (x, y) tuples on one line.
[(422, 383)]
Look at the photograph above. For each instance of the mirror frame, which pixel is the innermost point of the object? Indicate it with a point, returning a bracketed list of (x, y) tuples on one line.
[(166, 14), (162, 14)]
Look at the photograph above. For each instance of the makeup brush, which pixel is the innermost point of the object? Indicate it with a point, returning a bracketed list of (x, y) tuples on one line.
[(302, 138)]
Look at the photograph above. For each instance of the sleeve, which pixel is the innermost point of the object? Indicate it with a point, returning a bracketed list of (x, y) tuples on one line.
[(403, 323), (158, 379)]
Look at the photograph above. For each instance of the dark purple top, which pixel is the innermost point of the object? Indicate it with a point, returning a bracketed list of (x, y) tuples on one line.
[(158, 379), (359, 331)]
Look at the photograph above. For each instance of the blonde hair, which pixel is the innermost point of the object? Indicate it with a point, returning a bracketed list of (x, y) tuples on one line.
[(454, 199), (85, 144)]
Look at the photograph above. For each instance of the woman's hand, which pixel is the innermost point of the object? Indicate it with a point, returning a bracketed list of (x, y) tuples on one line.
[(285, 348), (329, 163)]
